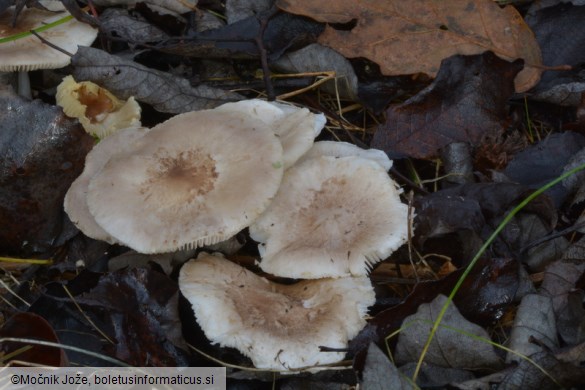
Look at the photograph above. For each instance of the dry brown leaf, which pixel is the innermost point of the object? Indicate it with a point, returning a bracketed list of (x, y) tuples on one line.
[(406, 37)]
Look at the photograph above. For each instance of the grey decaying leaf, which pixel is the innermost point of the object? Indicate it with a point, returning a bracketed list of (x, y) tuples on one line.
[(535, 319), (559, 283), (380, 374), (166, 93), (118, 22), (241, 9), (449, 347)]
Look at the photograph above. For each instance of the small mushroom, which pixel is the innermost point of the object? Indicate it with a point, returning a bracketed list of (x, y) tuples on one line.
[(296, 127), (98, 110), (30, 53), (75, 203), (331, 217), (278, 326), (196, 179)]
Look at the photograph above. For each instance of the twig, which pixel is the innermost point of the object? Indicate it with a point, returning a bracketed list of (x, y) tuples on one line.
[(33, 32)]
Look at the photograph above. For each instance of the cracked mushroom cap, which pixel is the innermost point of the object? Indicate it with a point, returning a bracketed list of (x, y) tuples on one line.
[(278, 326), (296, 127), (331, 217), (75, 203), (196, 179), (345, 149), (29, 53)]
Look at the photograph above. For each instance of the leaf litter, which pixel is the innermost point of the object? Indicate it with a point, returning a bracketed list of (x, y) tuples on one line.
[(472, 102)]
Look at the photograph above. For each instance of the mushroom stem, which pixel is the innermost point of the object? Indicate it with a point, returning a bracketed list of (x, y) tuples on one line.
[(24, 84)]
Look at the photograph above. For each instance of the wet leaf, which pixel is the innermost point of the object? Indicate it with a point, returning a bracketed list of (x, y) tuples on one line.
[(165, 92), (466, 102), (449, 348), (42, 153), (424, 32), (31, 326)]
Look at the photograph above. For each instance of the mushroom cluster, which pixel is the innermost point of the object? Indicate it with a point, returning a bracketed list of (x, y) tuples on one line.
[(324, 211), (196, 179)]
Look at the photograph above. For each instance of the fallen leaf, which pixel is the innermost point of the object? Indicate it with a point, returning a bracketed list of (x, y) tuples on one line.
[(163, 91), (552, 27), (380, 374), (31, 326), (542, 162), (406, 37), (466, 102), (135, 308), (489, 290), (238, 40), (42, 153), (449, 347), (548, 371), (559, 284)]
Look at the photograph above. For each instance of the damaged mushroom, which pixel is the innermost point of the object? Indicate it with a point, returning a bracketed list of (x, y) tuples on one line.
[(278, 326), (194, 180), (97, 109), (331, 217)]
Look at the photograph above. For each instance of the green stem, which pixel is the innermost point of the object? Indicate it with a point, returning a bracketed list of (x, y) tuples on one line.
[(37, 30)]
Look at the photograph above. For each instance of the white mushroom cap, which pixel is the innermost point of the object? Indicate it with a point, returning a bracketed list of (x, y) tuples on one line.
[(296, 127), (30, 53), (278, 326), (76, 198), (345, 149), (331, 217), (196, 179)]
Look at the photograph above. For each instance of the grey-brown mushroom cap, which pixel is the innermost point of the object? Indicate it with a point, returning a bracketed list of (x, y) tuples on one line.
[(196, 179), (295, 127), (75, 202), (331, 217), (278, 326), (30, 53)]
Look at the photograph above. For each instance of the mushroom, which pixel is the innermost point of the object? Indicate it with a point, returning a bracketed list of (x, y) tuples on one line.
[(331, 217), (296, 127), (345, 149), (29, 53), (194, 180), (75, 203), (98, 110), (278, 326)]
